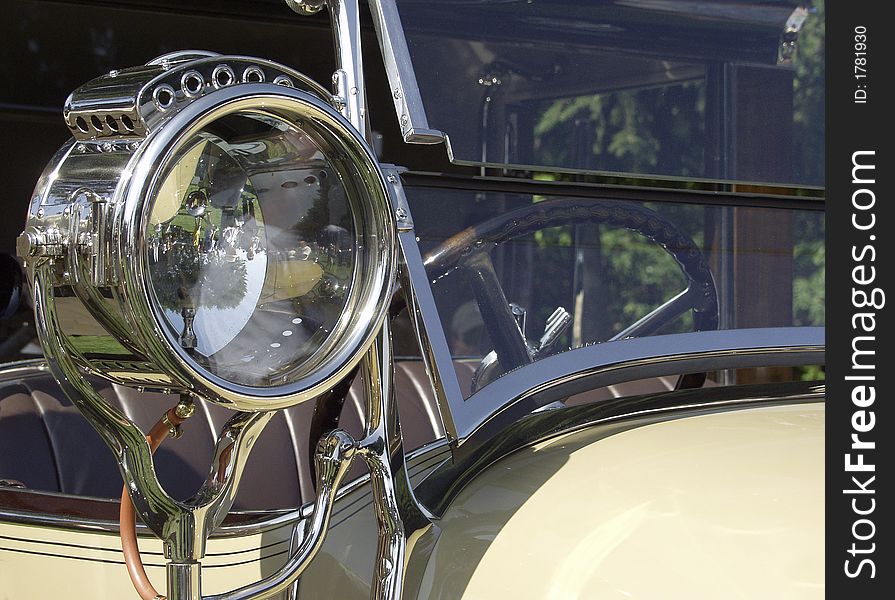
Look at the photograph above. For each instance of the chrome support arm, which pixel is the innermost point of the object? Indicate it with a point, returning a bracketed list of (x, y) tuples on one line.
[(212, 502), (423, 312), (118, 432), (230, 456), (401, 520), (183, 527), (332, 459), (348, 80)]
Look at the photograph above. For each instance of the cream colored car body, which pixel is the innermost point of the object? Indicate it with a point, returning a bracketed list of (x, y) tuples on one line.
[(721, 505), (724, 505), (38, 562)]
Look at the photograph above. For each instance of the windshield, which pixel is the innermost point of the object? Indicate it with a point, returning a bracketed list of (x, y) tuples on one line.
[(569, 271), (712, 90)]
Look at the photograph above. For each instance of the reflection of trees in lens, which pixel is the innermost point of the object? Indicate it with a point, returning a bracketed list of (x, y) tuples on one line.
[(212, 281), (223, 283), (317, 217), (328, 224), (328, 211)]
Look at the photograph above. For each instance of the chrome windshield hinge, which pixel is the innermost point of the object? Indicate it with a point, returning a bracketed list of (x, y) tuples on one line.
[(401, 208)]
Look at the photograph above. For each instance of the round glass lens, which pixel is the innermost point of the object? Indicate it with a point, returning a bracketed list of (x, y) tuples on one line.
[(251, 246)]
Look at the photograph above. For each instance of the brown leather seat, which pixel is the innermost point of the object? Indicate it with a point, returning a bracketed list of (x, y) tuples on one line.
[(47, 445)]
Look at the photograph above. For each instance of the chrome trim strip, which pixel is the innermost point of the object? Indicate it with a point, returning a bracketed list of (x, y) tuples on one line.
[(23, 368), (147, 564), (115, 549), (62, 522), (518, 393), (418, 461), (648, 190)]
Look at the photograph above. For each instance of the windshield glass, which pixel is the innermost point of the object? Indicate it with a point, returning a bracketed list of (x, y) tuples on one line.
[(571, 271), (713, 90)]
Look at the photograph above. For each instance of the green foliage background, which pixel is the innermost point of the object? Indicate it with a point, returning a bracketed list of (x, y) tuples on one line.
[(651, 130)]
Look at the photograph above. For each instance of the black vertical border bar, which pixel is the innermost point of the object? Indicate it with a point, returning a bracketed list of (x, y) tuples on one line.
[(860, 113)]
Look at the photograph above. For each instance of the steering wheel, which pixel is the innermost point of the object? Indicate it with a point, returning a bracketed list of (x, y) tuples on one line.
[(469, 250)]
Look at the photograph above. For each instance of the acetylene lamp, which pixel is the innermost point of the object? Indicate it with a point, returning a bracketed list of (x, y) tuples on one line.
[(215, 227)]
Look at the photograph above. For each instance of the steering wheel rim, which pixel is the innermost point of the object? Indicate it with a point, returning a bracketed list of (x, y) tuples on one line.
[(465, 250)]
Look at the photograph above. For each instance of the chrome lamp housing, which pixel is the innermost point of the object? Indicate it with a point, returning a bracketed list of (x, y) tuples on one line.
[(215, 227)]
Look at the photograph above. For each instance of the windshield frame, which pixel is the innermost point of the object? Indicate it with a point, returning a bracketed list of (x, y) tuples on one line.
[(413, 120), (473, 420)]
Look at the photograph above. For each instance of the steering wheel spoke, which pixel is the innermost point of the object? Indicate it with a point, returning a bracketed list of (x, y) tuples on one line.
[(497, 314), (660, 316)]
